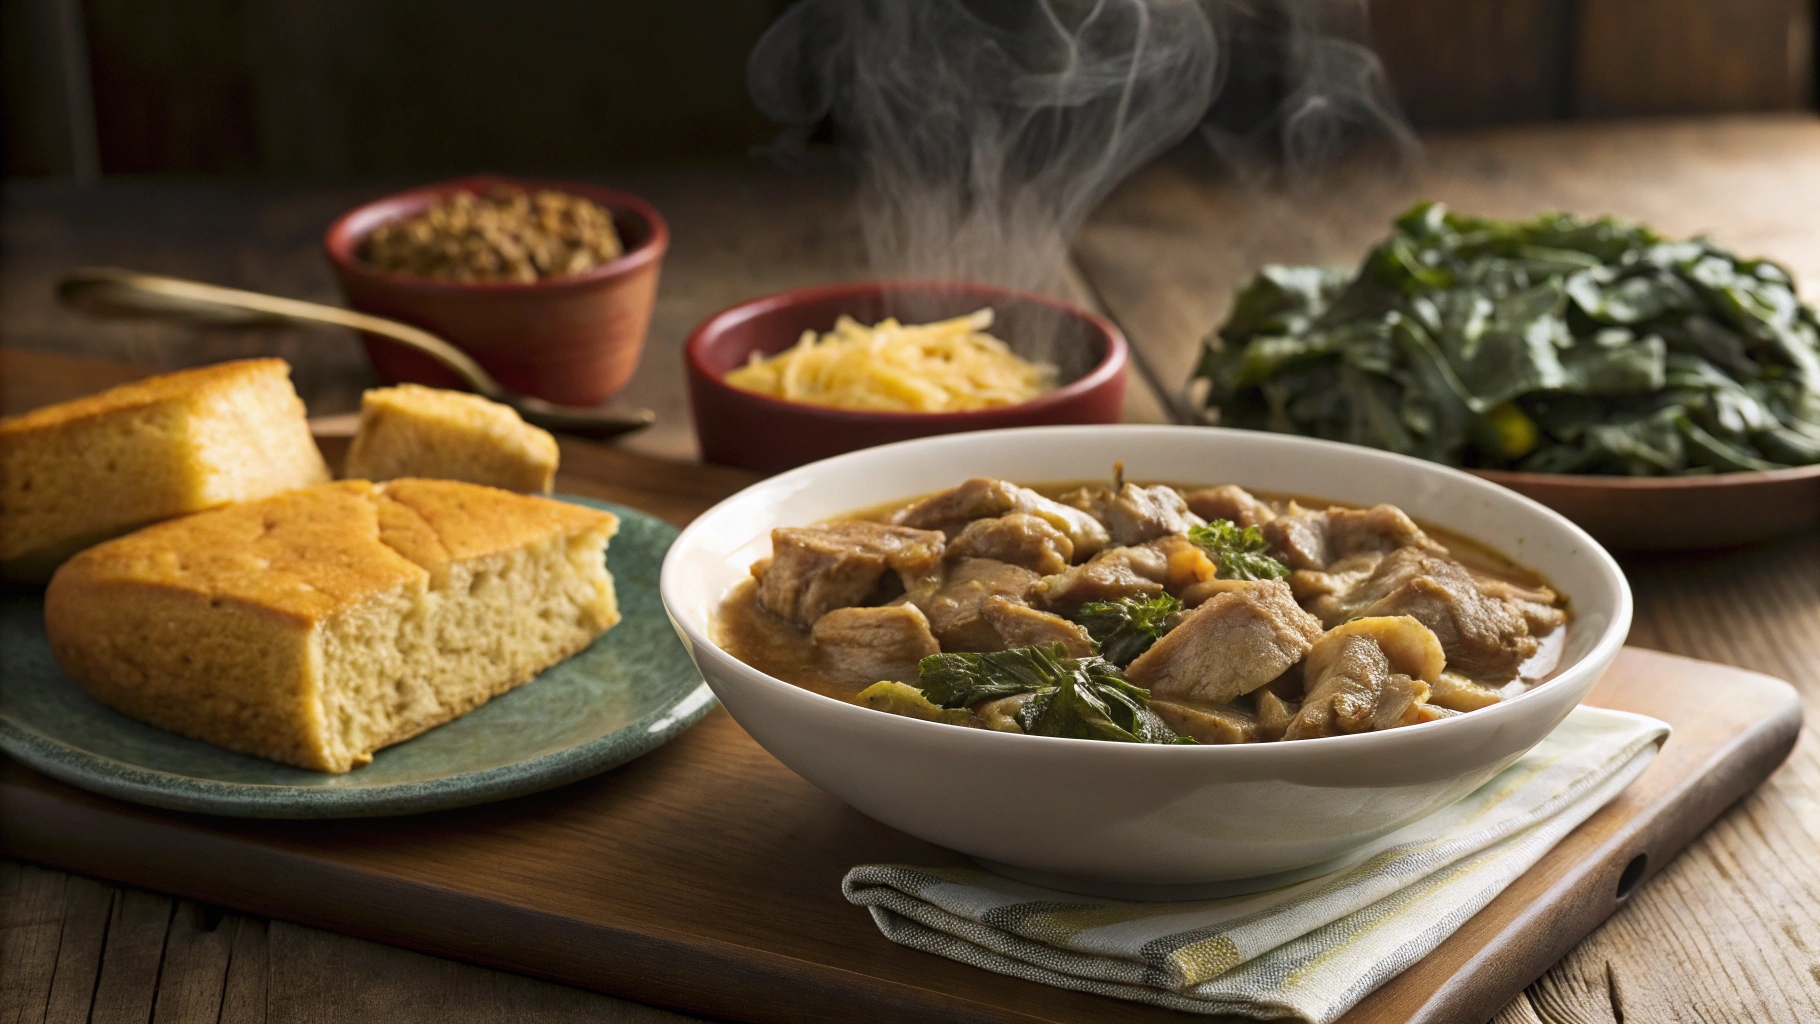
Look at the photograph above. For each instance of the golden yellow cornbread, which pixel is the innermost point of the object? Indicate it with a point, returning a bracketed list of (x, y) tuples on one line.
[(411, 430), (319, 626), (80, 472)]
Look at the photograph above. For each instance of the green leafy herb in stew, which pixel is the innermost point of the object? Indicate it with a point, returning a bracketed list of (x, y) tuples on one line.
[(1126, 627), (1556, 344), (1083, 698), (1242, 552)]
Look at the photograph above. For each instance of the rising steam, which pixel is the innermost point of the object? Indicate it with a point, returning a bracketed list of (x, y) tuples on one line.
[(1337, 94), (985, 132)]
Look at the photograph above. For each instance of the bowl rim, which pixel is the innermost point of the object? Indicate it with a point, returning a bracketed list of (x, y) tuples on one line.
[(1111, 365), (1602, 652), (1684, 482), (341, 240)]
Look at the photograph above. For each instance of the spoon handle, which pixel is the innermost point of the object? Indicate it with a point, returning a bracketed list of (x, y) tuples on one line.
[(109, 291), (113, 292)]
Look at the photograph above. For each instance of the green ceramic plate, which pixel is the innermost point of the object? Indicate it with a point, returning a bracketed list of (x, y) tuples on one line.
[(629, 693)]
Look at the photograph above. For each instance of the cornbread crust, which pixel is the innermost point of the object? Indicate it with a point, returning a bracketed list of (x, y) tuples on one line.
[(319, 626), (414, 431), (77, 473)]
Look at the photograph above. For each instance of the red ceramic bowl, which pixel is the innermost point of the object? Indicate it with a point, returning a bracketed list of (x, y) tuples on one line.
[(573, 340), (740, 428)]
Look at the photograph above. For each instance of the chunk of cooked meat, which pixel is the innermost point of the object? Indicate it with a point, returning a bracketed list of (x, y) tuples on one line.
[(1230, 502), (984, 498), (866, 645), (1196, 594), (1230, 645), (1208, 723), (1538, 605), (816, 569), (1351, 585), (1133, 514), (1017, 538), (1019, 625), (1337, 582), (1412, 648), (1108, 576), (1274, 714), (955, 611), (1420, 712), (1458, 693), (1306, 539), (1484, 637), (950, 510), (1352, 688), (1144, 570)]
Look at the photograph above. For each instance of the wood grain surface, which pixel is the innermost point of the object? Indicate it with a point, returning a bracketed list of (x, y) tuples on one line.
[(1729, 931), (151, 956), (737, 232), (705, 876), (290, 87), (1478, 64), (1691, 56)]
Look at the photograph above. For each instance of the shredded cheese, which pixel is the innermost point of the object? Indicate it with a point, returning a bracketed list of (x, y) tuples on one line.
[(947, 366)]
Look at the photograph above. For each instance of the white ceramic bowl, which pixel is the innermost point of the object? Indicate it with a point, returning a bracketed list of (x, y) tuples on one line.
[(1126, 818)]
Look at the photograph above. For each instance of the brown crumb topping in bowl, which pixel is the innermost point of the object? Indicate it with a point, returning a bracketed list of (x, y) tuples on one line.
[(507, 234)]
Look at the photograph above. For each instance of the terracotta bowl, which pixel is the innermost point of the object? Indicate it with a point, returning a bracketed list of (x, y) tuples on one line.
[(740, 428), (572, 340)]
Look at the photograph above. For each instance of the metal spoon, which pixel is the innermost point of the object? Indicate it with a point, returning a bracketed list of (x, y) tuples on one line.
[(111, 292)]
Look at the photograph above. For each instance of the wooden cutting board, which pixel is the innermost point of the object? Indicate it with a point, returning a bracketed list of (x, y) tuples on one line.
[(705, 876)]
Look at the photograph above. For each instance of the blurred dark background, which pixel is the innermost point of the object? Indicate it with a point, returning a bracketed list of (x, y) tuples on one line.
[(331, 88)]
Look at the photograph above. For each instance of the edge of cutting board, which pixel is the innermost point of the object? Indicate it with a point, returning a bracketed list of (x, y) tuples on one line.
[(810, 956)]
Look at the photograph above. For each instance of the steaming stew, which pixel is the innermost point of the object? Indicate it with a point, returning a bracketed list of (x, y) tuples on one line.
[(1143, 613)]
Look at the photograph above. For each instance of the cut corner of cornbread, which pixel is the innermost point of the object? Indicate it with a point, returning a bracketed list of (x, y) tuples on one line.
[(79, 472), (321, 625), (413, 431)]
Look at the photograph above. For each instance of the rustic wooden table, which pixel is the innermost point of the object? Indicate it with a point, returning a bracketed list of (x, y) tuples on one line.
[(1729, 932)]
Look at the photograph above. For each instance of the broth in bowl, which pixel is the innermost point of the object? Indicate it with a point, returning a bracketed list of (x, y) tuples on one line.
[(1159, 613)]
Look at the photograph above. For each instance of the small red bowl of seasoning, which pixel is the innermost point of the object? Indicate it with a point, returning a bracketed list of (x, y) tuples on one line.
[(549, 285)]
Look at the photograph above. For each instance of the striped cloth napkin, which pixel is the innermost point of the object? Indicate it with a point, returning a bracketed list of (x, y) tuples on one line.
[(1309, 950)]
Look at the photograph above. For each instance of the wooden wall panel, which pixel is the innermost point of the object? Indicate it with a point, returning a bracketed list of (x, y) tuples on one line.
[(173, 86), (424, 87), (1692, 56), (436, 86), (337, 87), (34, 110), (1454, 64)]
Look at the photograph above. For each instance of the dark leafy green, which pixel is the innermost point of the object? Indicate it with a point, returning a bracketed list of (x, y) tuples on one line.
[(1083, 698), (956, 680), (1557, 344), (1242, 552), (1126, 628)]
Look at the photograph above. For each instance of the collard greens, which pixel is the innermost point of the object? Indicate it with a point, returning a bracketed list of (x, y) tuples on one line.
[(1083, 698), (1555, 345)]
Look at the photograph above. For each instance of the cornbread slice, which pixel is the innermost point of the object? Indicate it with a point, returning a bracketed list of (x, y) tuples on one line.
[(75, 474), (411, 430), (316, 627)]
